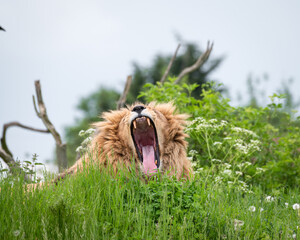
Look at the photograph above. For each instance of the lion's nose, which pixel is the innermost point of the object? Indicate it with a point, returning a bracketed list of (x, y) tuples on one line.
[(138, 109)]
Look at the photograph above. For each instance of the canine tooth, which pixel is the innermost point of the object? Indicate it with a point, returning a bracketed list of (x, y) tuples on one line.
[(148, 121), (156, 162), (134, 124)]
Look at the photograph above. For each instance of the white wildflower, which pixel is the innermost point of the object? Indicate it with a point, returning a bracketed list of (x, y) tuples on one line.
[(79, 149), (227, 165), (90, 131), (198, 171), (239, 173), (294, 236), (81, 133), (213, 121), (236, 129), (193, 152), (252, 208), (240, 146), (240, 166), (217, 143), (260, 170), (227, 172), (261, 209), (296, 206), (194, 164), (286, 204), (216, 160), (218, 179), (238, 224), (16, 233), (223, 123), (227, 138), (269, 199), (245, 131), (87, 141)]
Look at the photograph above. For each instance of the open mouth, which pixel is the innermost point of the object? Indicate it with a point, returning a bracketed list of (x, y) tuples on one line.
[(143, 133)]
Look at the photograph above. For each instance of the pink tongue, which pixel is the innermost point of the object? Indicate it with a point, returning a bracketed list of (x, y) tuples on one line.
[(148, 159)]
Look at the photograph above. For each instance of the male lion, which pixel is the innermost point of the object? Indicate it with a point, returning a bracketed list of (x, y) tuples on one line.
[(150, 135)]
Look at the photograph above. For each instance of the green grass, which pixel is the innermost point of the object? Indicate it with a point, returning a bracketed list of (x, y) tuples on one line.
[(95, 205)]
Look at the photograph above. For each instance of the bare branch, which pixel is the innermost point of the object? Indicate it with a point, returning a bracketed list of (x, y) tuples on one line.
[(61, 153), (13, 166), (16, 124), (35, 108), (42, 114), (201, 60), (122, 99), (6, 157), (170, 65)]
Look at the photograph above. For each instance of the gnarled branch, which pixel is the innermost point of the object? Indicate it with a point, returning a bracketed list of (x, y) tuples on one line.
[(11, 163), (170, 65), (201, 60), (42, 114), (7, 158), (122, 99), (61, 152), (16, 124)]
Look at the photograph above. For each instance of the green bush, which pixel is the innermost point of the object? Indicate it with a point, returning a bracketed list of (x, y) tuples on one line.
[(221, 132)]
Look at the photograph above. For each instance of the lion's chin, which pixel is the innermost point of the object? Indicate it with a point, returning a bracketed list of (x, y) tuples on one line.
[(145, 140)]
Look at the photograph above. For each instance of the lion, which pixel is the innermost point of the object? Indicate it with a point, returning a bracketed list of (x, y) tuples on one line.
[(150, 136)]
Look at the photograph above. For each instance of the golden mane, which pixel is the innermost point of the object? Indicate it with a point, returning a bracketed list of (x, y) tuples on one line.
[(152, 136)]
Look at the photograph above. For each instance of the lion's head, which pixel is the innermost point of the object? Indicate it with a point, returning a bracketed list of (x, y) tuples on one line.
[(150, 135)]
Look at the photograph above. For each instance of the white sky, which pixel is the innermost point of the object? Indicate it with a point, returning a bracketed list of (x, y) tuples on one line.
[(74, 46)]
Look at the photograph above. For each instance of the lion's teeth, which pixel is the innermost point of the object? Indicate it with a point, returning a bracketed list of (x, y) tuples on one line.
[(156, 162), (134, 124), (148, 121)]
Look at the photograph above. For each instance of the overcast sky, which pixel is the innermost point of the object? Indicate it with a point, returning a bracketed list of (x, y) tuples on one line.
[(75, 46)]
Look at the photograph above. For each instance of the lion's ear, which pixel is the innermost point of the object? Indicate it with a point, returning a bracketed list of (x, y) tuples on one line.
[(169, 111), (165, 108)]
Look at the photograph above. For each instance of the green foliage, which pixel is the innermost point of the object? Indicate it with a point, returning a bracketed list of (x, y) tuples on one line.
[(276, 130), (28, 167), (96, 205)]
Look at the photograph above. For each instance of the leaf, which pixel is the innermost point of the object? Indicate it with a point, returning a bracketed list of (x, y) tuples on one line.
[(38, 163)]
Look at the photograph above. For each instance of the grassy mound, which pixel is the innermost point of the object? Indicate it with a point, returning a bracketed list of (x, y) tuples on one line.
[(95, 205)]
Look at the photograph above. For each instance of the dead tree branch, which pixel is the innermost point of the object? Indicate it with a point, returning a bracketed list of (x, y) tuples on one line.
[(170, 65), (6, 154), (16, 124), (11, 163), (122, 99), (6, 157), (61, 151), (201, 60)]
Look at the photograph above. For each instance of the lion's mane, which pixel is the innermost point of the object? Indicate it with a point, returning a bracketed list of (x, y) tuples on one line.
[(113, 144)]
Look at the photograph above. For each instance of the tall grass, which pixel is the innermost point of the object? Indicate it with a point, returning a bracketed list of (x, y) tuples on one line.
[(96, 205)]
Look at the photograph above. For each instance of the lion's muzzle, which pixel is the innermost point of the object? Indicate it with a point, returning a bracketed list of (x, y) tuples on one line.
[(145, 139)]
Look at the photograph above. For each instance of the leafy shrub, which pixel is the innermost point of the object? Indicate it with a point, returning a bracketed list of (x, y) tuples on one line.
[(270, 130)]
